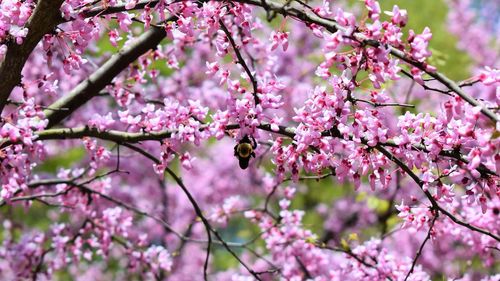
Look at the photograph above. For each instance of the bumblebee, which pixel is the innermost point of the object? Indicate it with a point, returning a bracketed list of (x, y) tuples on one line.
[(244, 150)]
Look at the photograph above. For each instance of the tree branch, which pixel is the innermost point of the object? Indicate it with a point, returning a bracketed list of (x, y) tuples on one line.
[(353, 255), (124, 137), (72, 183), (102, 11), (419, 252), (199, 213), (44, 19), (111, 135), (433, 201), (241, 61), (209, 228), (121, 136), (91, 87), (297, 10)]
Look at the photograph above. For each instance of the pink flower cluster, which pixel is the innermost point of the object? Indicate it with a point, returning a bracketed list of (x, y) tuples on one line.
[(353, 178)]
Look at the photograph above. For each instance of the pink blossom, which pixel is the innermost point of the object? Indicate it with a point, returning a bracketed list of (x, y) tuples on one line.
[(399, 17), (11, 132), (279, 38), (114, 37), (373, 9), (490, 76), (419, 44), (102, 123)]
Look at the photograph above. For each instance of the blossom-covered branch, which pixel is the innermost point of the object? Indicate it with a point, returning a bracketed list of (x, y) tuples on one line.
[(92, 86), (297, 10), (155, 139), (43, 19)]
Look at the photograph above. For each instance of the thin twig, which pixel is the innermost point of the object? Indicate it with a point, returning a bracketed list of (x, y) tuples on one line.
[(241, 61), (419, 252)]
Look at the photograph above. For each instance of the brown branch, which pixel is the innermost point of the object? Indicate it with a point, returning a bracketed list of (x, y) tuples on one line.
[(351, 254), (44, 19), (121, 136), (377, 104), (241, 61), (419, 252), (199, 213), (208, 227), (102, 11), (83, 188), (129, 207), (183, 243), (268, 197), (103, 76), (39, 196), (425, 86), (307, 274), (433, 201), (111, 135)]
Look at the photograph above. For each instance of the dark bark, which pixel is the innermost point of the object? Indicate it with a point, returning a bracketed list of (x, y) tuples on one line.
[(44, 19), (103, 76)]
